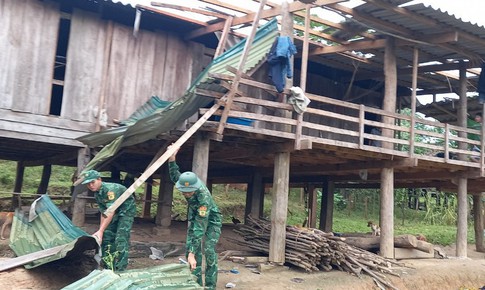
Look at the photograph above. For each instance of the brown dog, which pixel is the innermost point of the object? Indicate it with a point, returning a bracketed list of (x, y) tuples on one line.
[(7, 218), (376, 230)]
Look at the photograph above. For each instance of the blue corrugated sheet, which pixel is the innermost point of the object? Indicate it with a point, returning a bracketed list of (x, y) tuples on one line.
[(170, 276), (50, 228)]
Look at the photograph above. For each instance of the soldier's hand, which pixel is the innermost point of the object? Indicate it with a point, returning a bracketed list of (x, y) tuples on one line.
[(192, 262), (172, 158)]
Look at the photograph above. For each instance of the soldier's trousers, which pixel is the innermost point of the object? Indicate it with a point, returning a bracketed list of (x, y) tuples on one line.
[(211, 238), (116, 241)]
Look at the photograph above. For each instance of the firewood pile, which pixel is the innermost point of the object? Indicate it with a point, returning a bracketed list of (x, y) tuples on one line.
[(313, 250)]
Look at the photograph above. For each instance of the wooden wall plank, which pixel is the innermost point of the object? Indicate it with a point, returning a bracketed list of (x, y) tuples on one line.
[(158, 69), (29, 26), (8, 57), (84, 67)]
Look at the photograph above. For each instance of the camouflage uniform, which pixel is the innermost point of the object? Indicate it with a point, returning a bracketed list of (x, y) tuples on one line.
[(205, 221), (117, 234)]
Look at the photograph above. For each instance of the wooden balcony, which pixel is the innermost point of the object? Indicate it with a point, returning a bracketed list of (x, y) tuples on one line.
[(351, 142)]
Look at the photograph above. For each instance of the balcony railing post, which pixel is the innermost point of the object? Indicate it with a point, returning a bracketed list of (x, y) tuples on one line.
[(447, 141), (361, 125), (411, 135)]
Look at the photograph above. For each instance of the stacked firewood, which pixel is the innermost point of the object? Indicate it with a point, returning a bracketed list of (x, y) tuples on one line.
[(314, 250)]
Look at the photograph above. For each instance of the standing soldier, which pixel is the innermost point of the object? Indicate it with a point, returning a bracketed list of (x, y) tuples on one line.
[(114, 229), (205, 221)]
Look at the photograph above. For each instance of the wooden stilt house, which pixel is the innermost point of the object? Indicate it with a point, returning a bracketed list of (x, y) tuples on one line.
[(359, 75)]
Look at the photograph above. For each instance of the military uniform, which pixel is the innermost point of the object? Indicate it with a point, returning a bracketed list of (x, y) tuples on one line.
[(116, 237), (205, 221)]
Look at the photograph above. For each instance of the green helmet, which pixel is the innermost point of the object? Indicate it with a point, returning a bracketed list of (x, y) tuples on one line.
[(188, 182)]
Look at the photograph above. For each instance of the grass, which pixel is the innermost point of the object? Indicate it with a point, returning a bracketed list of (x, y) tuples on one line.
[(352, 209)]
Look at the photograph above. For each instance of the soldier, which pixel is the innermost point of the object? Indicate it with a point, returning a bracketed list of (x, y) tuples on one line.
[(114, 229), (205, 221)]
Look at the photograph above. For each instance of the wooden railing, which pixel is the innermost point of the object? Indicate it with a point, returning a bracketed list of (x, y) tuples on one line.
[(339, 123)]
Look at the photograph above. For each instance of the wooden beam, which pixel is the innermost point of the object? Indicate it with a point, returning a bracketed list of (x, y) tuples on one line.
[(425, 20), (222, 42), (421, 69), (367, 45), (189, 9), (52, 160), (154, 167), (396, 29), (158, 11), (268, 13), (237, 77)]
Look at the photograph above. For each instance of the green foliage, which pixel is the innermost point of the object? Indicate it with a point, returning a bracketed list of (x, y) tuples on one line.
[(109, 258), (420, 138)]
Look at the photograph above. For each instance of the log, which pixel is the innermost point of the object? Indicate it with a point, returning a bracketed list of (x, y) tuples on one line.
[(373, 242), (401, 253), (251, 260), (425, 247)]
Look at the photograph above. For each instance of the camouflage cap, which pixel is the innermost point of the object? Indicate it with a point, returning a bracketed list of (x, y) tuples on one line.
[(89, 176)]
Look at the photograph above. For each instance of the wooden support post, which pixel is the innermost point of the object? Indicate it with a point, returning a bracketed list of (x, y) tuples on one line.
[(387, 174), (413, 102), (462, 112), (240, 68), (200, 160), (386, 220), (326, 207), (312, 206), (461, 233), (279, 207), (255, 196), (19, 180), (147, 204), (303, 74), (478, 221), (165, 198), (44, 181), (80, 191)]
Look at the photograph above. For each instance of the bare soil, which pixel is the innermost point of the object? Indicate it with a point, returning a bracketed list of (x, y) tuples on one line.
[(451, 273)]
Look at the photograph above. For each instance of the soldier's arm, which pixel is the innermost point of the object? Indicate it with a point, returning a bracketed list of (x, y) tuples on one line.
[(173, 168)]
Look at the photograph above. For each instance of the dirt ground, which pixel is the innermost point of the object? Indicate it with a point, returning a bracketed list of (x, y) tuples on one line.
[(451, 273)]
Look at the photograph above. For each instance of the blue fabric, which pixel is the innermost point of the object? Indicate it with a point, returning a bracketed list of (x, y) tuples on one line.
[(279, 59)]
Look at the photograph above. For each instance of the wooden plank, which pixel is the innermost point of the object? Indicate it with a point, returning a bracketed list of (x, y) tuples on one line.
[(83, 79), (154, 167), (44, 120), (158, 70), (40, 130), (304, 65), (237, 77), (222, 42), (22, 260), (36, 56)]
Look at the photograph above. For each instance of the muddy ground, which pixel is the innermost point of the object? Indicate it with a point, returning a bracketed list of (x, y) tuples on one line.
[(451, 273)]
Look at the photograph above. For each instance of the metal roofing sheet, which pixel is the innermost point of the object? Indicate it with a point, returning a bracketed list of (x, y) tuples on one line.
[(165, 119), (46, 228), (169, 276)]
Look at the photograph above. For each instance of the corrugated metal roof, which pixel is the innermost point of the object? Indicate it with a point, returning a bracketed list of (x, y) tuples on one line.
[(169, 276), (161, 121), (50, 228)]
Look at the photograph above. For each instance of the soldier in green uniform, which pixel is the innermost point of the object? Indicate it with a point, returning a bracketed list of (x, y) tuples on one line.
[(114, 229), (205, 222)]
